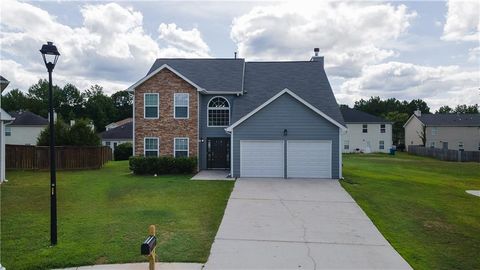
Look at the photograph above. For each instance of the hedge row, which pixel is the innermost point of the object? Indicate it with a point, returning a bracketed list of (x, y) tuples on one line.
[(162, 165), (123, 151)]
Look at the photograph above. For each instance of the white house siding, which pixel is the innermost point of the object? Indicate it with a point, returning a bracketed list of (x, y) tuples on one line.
[(24, 135), (367, 142), (469, 136), (113, 141), (413, 130)]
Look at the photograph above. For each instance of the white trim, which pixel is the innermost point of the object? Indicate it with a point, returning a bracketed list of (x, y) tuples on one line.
[(133, 123), (158, 145), (229, 110), (135, 85), (286, 90), (413, 115), (231, 154), (188, 146), (175, 106), (145, 106)]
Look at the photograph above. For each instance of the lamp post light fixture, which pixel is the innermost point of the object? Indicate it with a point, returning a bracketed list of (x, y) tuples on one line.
[(50, 56)]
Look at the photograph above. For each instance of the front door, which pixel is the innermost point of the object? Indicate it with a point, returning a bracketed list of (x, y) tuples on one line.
[(218, 153)]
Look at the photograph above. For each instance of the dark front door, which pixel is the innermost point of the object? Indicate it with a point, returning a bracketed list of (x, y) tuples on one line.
[(218, 153)]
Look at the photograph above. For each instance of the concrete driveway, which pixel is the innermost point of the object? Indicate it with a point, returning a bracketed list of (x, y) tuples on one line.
[(298, 224)]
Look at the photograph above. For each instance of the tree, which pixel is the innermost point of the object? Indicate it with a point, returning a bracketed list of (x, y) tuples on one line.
[(398, 120), (15, 100), (71, 102), (462, 109), (123, 103), (38, 98), (82, 134), (423, 135), (444, 109), (61, 134), (99, 107)]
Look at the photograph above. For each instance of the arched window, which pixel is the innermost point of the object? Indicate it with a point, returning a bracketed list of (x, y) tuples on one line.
[(218, 112)]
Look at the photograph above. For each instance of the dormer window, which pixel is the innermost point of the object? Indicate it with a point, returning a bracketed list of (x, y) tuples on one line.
[(218, 112)]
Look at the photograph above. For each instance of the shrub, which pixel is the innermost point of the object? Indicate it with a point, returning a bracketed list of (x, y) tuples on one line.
[(123, 151), (80, 134), (162, 165)]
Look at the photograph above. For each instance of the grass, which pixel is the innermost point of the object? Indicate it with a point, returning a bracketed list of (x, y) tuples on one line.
[(421, 207), (103, 216)]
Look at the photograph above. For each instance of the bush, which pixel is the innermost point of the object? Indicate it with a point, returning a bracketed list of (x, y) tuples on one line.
[(80, 134), (162, 165), (123, 151)]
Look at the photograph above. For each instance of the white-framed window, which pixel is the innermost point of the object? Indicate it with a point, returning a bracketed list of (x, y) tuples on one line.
[(460, 145), (434, 131), (432, 144), (115, 145), (346, 145), (180, 104), (381, 145), (151, 147), (151, 107), (8, 131), (382, 128), (180, 147), (107, 143), (218, 112), (364, 128)]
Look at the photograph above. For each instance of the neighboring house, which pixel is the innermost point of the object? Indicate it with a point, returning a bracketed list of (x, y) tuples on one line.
[(255, 119), (366, 133), (4, 119), (446, 131), (119, 123), (25, 129), (118, 135)]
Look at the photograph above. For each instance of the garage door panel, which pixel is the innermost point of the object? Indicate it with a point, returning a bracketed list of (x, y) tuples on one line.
[(261, 158), (309, 159)]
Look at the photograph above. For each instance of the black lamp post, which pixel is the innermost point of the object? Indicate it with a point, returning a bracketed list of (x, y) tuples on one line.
[(50, 56)]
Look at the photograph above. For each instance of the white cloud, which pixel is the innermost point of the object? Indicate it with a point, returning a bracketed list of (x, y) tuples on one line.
[(110, 47), (442, 85), (463, 21), (474, 55), (351, 35)]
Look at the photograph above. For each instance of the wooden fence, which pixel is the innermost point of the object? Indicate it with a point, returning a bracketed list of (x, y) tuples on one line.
[(444, 154), (67, 157)]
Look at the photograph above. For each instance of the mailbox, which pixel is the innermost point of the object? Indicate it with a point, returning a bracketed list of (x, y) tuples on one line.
[(148, 245)]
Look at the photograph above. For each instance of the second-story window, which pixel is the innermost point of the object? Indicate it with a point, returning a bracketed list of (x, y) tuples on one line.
[(364, 128), (382, 128), (218, 112), (151, 105), (180, 101)]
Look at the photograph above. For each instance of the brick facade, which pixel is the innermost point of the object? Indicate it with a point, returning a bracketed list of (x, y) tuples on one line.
[(166, 127)]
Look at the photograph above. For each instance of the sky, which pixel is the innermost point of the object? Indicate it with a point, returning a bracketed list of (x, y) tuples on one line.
[(405, 50)]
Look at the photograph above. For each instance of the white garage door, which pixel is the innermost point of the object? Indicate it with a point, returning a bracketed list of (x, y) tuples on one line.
[(261, 159), (309, 159)]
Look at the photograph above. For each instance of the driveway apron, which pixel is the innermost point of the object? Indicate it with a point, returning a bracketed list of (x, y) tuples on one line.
[(298, 224)]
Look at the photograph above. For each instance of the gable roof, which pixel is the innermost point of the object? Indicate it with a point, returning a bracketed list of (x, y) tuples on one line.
[(27, 118), (453, 120), (121, 122), (279, 94), (4, 116), (357, 116), (124, 131), (217, 75), (307, 79)]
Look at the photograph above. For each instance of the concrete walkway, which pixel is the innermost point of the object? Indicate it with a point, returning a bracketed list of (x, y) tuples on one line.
[(298, 224), (140, 266), (212, 175)]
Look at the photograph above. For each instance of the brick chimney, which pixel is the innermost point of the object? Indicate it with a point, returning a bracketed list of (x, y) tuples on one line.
[(417, 113)]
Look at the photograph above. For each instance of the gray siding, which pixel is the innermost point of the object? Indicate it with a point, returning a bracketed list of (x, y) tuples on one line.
[(209, 131), (286, 113)]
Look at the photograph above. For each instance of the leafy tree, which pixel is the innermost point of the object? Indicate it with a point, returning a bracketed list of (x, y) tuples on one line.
[(15, 100), (123, 102), (444, 109), (462, 109), (398, 119), (99, 107), (71, 102), (82, 134), (61, 134), (38, 98)]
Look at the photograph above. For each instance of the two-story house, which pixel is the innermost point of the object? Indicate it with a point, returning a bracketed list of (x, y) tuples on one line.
[(255, 119), (446, 131), (366, 133)]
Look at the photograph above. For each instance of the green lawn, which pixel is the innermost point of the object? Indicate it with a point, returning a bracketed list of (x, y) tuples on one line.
[(104, 216), (420, 206)]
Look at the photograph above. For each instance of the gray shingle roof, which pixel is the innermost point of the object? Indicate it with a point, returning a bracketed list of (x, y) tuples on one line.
[(27, 119), (216, 75), (124, 131), (457, 120), (356, 116), (307, 79)]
